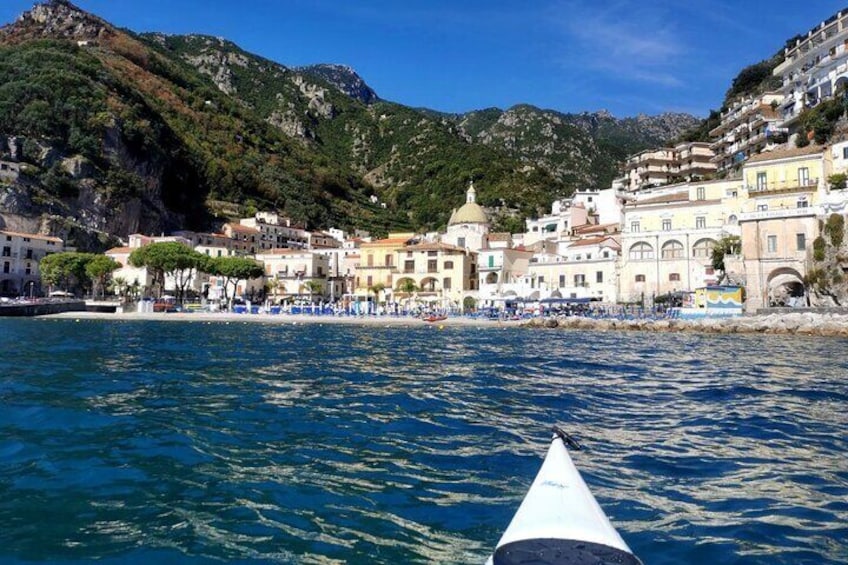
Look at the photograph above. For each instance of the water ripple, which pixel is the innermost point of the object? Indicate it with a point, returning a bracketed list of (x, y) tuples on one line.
[(196, 443)]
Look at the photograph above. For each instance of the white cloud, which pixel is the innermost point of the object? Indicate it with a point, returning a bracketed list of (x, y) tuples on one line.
[(628, 40)]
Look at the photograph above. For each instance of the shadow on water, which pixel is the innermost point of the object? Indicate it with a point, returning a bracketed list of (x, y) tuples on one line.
[(196, 442)]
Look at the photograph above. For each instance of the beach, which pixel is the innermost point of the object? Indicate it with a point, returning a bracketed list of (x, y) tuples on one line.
[(827, 324)]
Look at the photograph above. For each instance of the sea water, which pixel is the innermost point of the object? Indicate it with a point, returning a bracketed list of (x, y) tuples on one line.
[(181, 442)]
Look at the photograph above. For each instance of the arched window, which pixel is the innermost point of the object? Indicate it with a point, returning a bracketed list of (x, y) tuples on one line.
[(641, 251), (492, 278), (703, 248), (672, 250), (732, 220)]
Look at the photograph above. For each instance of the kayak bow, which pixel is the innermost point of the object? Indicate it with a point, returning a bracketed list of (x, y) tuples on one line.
[(560, 522)]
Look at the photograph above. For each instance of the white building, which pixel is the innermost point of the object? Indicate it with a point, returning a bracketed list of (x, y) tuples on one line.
[(19, 259), (815, 68)]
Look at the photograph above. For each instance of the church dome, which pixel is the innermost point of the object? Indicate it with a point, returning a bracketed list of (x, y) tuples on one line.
[(470, 212)]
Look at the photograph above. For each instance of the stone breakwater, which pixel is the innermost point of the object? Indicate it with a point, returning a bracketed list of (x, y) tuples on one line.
[(808, 323)]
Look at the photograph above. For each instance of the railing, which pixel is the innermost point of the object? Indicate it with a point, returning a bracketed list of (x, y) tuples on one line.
[(777, 186), (779, 213)]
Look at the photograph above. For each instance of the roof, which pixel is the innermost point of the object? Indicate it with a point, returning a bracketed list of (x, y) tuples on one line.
[(587, 242), (31, 235), (811, 149), (468, 213), (666, 198), (119, 251), (243, 229), (589, 228), (500, 236), (429, 246), (389, 241)]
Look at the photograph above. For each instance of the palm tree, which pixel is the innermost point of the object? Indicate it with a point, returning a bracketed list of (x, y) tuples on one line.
[(312, 287), (408, 286), (377, 288)]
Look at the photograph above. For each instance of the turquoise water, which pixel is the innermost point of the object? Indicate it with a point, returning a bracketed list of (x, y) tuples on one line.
[(139, 442)]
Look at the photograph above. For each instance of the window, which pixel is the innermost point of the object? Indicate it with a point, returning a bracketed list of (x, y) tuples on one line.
[(845, 152), (370, 262), (732, 220), (446, 283), (701, 193), (761, 181), (666, 225), (703, 248), (409, 266), (803, 176), (599, 276), (762, 207), (432, 253), (460, 242), (641, 251), (634, 227), (388, 260), (672, 250), (29, 254), (7, 251), (7, 267), (561, 281), (579, 280), (369, 281), (772, 243), (491, 261), (640, 278), (606, 254), (541, 280), (432, 266), (700, 223), (803, 203), (800, 241), (674, 277), (448, 264)]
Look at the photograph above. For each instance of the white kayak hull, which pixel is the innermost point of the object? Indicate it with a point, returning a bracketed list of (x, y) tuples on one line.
[(560, 522)]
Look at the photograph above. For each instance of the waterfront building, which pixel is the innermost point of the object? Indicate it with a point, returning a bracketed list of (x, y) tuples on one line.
[(668, 235), (468, 225), (444, 274), (814, 69), (21, 253), (501, 273), (297, 274), (564, 217), (584, 269), (667, 165), (780, 219), (748, 127)]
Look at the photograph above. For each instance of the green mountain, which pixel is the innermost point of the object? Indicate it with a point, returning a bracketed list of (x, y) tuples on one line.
[(115, 133)]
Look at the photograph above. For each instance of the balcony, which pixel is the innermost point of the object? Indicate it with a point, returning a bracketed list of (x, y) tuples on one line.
[(794, 185)]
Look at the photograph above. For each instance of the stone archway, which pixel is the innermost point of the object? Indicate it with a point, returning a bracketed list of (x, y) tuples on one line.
[(786, 288)]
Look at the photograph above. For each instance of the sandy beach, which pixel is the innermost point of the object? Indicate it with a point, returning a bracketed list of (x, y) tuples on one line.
[(285, 319), (806, 323)]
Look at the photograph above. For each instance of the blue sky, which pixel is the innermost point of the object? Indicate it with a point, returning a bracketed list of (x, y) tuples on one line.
[(625, 56)]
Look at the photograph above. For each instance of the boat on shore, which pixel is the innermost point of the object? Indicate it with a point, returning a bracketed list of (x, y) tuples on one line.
[(434, 318), (559, 521)]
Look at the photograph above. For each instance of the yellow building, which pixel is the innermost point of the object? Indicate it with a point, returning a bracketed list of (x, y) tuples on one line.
[(668, 236), (779, 222), (378, 262)]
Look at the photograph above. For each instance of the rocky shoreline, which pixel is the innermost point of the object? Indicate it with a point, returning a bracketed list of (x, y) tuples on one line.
[(806, 323)]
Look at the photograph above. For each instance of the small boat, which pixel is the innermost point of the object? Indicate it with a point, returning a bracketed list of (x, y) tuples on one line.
[(434, 318), (560, 522)]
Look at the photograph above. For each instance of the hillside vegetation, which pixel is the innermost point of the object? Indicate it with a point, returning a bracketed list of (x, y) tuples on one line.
[(121, 132)]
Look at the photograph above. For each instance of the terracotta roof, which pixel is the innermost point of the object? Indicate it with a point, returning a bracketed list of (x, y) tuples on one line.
[(500, 236), (388, 241), (283, 251), (666, 198), (811, 149), (30, 235), (119, 251), (428, 246), (587, 242), (243, 229)]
